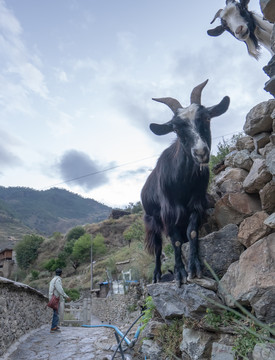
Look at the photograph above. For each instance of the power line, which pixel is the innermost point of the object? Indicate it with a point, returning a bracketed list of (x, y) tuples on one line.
[(100, 171), (118, 166)]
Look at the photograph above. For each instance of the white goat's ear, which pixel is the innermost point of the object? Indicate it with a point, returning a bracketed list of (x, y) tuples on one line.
[(220, 108), (216, 31), (163, 129)]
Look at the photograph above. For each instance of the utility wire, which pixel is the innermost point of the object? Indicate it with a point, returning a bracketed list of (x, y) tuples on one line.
[(118, 166), (100, 171)]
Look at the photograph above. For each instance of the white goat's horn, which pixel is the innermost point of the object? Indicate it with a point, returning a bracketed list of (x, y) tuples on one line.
[(173, 104), (195, 97), (216, 16)]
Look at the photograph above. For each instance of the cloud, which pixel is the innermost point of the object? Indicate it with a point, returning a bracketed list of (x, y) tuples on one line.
[(8, 159), (77, 168), (19, 74), (133, 173)]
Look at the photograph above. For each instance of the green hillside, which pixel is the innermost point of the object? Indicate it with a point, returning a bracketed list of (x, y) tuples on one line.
[(24, 210)]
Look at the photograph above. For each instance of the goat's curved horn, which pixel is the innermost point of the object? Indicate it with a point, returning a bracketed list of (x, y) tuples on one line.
[(173, 104), (195, 97), (216, 16)]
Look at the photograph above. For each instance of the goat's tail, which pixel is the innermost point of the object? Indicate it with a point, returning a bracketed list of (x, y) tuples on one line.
[(153, 238)]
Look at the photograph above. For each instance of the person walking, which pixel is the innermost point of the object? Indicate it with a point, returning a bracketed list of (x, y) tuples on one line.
[(56, 288)]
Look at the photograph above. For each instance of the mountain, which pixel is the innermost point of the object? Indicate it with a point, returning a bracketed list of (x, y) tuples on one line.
[(24, 210)]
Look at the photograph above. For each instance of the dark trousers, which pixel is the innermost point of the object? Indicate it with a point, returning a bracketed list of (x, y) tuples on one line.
[(55, 320)]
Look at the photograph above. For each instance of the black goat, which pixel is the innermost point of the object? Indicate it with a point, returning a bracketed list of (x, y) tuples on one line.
[(244, 25), (174, 195)]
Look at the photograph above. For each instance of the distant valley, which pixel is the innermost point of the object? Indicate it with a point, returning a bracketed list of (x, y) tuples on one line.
[(24, 210)]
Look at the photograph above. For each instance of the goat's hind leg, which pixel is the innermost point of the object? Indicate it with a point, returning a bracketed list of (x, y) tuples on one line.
[(194, 265)]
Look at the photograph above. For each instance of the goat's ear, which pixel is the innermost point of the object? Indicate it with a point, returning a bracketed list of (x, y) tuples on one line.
[(219, 109), (244, 3), (216, 32), (161, 129)]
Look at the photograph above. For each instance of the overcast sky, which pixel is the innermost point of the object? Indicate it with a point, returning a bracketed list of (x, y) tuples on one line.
[(77, 78)]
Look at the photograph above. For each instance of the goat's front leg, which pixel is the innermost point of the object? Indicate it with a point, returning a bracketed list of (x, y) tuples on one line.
[(194, 265), (180, 273), (158, 252)]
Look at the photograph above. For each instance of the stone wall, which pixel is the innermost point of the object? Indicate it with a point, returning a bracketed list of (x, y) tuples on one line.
[(22, 309), (117, 308)]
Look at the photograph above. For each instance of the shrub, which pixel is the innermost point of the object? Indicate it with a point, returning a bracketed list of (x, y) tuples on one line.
[(99, 248), (34, 274), (82, 248), (27, 250)]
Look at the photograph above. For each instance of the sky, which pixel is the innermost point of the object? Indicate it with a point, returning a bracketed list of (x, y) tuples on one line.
[(77, 78)]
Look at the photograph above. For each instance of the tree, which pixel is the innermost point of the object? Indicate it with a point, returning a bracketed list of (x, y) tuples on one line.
[(134, 208), (75, 233), (82, 248), (134, 232), (99, 248), (27, 250)]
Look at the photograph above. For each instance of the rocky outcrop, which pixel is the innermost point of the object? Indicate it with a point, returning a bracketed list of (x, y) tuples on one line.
[(251, 280), (241, 251)]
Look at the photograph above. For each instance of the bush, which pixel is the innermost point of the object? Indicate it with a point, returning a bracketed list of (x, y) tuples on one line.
[(34, 274), (74, 294), (75, 233), (27, 250), (82, 248), (99, 248), (135, 231)]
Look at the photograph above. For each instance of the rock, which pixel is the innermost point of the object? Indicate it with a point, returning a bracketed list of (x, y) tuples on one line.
[(219, 249), (253, 229), (270, 162), (245, 143), (267, 149), (195, 344), (151, 349), (263, 352), (251, 280), (264, 306), (270, 221), (259, 118), (260, 140), (190, 300), (151, 329), (228, 161), (231, 186), (242, 160), (230, 180), (205, 282), (257, 177), (267, 196), (232, 174), (222, 352), (233, 208), (268, 10)]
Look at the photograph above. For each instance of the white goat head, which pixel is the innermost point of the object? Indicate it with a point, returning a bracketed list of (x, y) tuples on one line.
[(244, 25)]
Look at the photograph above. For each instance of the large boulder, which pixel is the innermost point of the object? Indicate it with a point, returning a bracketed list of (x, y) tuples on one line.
[(196, 344), (267, 196), (253, 229), (233, 208), (190, 300), (257, 177), (259, 118), (270, 161), (251, 280), (219, 249)]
